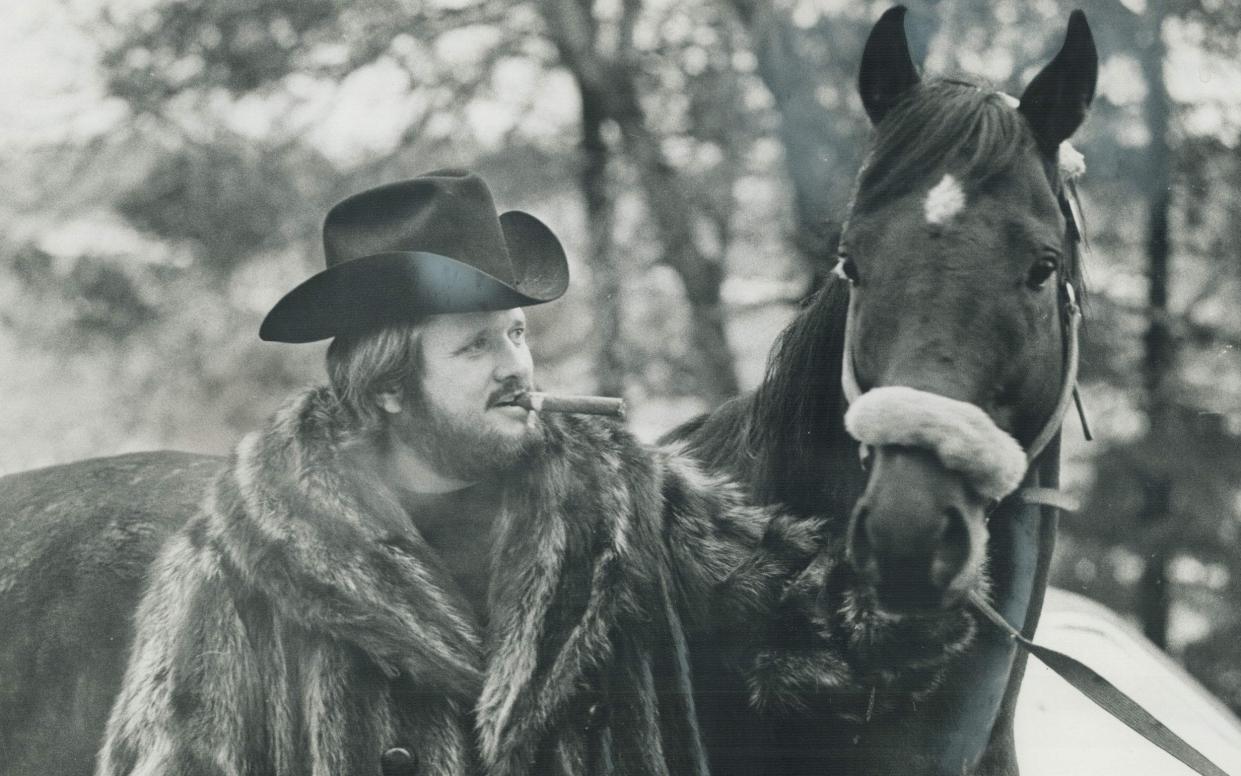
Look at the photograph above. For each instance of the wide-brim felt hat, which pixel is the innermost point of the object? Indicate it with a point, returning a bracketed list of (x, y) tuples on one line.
[(432, 244)]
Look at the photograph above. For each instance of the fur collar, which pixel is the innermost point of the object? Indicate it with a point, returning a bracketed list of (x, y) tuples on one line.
[(302, 518)]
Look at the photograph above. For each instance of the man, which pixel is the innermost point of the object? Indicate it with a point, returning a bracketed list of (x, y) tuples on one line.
[(406, 570)]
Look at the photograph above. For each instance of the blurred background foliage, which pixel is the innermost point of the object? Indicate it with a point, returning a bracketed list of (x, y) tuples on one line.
[(167, 164)]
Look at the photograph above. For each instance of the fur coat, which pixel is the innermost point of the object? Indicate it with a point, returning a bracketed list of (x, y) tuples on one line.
[(300, 625)]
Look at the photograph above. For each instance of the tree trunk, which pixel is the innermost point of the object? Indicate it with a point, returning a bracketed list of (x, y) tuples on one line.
[(819, 147), (1159, 347), (1154, 598), (702, 277), (571, 27), (605, 272)]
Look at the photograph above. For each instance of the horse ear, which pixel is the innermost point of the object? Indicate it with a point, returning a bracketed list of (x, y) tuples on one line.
[(887, 68), (1056, 100)]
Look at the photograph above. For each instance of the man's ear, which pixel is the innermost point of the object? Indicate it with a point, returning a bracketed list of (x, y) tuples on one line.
[(887, 70), (389, 400), (1056, 100)]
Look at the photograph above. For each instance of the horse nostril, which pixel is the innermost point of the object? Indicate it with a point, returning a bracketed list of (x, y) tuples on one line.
[(860, 549), (952, 551)]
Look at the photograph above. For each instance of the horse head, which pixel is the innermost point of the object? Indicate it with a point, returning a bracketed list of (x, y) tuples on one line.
[(961, 255)]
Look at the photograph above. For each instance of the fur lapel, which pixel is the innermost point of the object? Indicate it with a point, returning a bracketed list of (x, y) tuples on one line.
[(304, 518), (316, 531), (574, 565)]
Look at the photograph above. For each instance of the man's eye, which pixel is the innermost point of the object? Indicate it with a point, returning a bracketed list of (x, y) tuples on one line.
[(517, 335), (474, 345)]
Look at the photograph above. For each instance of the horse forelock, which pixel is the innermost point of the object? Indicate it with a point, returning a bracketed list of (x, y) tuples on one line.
[(965, 127)]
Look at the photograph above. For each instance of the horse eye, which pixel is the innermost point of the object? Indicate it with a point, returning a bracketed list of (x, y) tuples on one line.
[(845, 269), (1041, 270)]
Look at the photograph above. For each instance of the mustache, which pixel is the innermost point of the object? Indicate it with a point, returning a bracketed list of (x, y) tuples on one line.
[(508, 391)]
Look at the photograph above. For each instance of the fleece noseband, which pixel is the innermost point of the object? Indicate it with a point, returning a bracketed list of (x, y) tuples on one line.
[(960, 434)]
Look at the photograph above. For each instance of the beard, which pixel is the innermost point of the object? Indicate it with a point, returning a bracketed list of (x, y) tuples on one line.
[(462, 448)]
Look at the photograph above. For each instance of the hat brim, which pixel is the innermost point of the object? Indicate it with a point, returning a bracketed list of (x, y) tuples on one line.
[(405, 286)]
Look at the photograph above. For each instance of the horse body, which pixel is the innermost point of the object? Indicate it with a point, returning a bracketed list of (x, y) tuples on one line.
[(77, 541)]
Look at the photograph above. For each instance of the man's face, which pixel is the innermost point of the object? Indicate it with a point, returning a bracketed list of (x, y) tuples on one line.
[(458, 419)]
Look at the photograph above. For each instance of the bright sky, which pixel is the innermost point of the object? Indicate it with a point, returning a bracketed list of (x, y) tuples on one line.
[(53, 92), (50, 91)]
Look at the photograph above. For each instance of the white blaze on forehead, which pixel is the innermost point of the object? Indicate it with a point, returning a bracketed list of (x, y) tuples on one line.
[(944, 201)]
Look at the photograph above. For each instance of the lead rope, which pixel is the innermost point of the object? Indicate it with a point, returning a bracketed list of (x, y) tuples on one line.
[(1081, 677), (1106, 695)]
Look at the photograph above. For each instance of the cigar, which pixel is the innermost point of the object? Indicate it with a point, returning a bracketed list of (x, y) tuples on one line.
[(586, 405)]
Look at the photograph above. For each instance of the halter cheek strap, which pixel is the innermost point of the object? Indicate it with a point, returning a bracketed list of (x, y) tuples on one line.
[(1068, 385)]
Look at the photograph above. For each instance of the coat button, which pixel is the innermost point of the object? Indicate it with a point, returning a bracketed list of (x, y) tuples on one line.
[(397, 762), (596, 716)]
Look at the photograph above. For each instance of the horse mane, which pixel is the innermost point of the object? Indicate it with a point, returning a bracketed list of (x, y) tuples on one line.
[(795, 420)]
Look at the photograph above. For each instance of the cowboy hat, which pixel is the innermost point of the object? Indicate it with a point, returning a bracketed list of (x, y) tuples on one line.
[(431, 244)]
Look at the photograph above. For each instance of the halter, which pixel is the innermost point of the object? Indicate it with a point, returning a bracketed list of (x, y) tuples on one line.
[(1071, 166), (1029, 536), (1025, 537), (1072, 317)]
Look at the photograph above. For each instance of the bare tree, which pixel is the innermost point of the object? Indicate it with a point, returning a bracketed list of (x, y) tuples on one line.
[(1154, 599), (819, 143), (611, 82), (607, 284)]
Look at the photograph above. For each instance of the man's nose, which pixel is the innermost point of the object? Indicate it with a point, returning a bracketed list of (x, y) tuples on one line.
[(513, 362)]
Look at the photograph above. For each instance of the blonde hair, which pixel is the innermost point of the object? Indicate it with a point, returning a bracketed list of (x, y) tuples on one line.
[(361, 366)]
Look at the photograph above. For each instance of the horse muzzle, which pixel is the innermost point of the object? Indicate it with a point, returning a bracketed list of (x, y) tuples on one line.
[(918, 534)]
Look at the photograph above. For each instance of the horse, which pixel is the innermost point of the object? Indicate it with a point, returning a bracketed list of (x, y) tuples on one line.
[(964, 305), (78, 539), (953, 303)]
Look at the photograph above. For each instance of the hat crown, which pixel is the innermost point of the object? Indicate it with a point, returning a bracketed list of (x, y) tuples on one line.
[(447, 212), (426, 246)]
